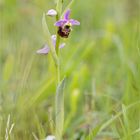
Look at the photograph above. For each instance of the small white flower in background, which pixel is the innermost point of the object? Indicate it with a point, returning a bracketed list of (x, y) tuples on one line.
[(51, 12), (50, 137)]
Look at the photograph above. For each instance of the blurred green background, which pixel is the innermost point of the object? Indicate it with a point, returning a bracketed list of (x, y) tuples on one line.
[(101, 62)]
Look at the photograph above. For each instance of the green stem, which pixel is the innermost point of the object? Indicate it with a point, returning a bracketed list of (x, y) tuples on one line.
[(57, 52), (59, 108), (58, 72), (57, 44)]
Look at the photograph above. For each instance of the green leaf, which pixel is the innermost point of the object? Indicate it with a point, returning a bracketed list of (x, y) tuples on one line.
[(59, 112), (49, 40), (59, 7), (93, 133), (68, 6), (45, 29)]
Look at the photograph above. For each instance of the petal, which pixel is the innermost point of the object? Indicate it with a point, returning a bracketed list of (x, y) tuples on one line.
[(67, 14), (54, 42), (61, 22), (44, 50), (62, 45), (53, 39), (74, 22), (51, 12)]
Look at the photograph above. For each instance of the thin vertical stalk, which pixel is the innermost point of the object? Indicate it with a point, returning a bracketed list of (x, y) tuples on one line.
[(59, 100), (59, 107), (58, 42), (57, 52)]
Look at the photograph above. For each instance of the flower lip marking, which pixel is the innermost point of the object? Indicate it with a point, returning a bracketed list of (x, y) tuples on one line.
[(67, 26), (64, 25)]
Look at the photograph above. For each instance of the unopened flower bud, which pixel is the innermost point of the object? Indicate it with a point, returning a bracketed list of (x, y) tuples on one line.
[(51, 12)]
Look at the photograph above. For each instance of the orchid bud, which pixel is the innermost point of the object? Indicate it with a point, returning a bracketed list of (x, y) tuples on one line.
[(51, 13)]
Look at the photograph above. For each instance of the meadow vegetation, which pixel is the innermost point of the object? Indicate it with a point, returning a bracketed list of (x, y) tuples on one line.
[(101, 61)]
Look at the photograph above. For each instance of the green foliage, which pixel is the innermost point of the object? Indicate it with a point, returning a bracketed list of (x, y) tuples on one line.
[(8, 68), (48, 38), (100, 61), (59, 112)]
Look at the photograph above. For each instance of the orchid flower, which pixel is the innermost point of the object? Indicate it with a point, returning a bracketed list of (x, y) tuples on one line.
[(64, 25), (46, 48)]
